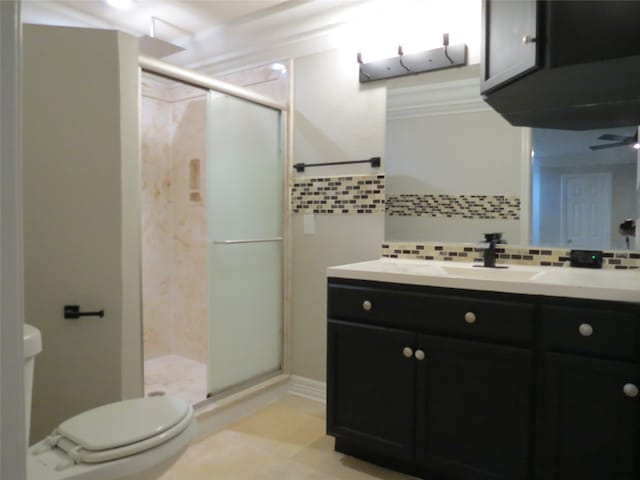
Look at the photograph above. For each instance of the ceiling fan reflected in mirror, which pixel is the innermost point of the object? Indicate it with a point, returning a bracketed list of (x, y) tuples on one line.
[(618, 141)]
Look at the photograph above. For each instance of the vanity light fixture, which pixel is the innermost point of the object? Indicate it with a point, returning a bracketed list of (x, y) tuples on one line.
[(447, 56)]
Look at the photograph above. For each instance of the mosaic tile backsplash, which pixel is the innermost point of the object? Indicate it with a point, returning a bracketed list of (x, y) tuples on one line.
[(360, 194), (506, 207), (507, 254)]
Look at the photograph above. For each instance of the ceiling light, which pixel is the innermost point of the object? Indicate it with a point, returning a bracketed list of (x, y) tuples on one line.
[(636, 146), (121, 4), (278, 67)]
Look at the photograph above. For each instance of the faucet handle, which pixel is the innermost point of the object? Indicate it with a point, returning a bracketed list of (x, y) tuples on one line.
[(494, 237)]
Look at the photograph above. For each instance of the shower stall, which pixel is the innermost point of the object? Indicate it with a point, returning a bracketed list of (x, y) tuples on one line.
[(212, 229)]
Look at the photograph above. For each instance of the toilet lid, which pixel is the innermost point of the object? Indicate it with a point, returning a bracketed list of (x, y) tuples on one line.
[(122, 423)]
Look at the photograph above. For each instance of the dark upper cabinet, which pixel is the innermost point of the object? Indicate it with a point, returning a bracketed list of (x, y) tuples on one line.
[(509, 47), (562, 64)]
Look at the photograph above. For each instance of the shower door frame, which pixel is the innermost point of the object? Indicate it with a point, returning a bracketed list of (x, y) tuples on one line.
[(174, 72)]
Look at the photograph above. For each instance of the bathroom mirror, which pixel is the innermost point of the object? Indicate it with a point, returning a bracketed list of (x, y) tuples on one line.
[(456, 169), (584, 184)]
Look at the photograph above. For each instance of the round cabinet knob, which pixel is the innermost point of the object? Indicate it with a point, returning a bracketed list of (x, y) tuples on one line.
[(419, 355), (527, 39), (585, 330), (630, 390), (367, 305), (470, 317), (407, 352)]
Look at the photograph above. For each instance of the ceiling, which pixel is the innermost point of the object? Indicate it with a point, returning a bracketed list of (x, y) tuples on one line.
[(222, 36), (219, 36), (558, 143), (176, 17)]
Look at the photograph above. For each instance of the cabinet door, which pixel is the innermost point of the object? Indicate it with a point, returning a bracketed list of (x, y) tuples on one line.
[(474, 409), (509, 44), (588, 426), (581, 31), (371, 387)]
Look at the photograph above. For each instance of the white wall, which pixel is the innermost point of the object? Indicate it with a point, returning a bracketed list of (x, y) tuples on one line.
[(335, 119), (131, 383), (12, 428), (82, 217)]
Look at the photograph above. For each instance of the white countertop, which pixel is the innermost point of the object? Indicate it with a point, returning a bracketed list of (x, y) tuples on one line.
[(599, 284)]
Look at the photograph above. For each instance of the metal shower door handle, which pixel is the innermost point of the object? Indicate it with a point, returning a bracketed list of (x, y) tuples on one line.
[(256, 240)]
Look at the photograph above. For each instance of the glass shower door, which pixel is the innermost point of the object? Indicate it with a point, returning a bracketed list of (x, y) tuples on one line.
[(245, 227)]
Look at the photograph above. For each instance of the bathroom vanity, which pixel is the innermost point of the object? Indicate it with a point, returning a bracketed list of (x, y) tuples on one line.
[(454, 372)]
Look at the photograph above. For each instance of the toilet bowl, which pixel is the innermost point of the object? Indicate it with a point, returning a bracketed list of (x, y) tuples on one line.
[(133, 439)]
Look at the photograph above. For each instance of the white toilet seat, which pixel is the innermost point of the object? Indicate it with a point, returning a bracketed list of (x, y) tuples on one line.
[(113, 434)]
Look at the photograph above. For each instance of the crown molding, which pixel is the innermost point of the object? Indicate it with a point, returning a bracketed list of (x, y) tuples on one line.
[(59, 14), (290, 30), (428, 100)]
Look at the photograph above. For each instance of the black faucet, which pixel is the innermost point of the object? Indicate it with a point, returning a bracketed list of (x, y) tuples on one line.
[(489, 254)]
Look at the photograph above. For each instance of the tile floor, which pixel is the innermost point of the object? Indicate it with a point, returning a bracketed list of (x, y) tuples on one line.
[(176, 376), (284, 441)]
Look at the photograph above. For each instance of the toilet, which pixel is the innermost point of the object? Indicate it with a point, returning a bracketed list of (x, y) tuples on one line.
[(133, 439)]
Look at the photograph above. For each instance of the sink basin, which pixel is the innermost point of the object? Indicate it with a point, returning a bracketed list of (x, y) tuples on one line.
[(481, 273)]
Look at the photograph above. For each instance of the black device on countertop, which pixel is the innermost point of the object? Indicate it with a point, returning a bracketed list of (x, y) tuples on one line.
[(586, 258)]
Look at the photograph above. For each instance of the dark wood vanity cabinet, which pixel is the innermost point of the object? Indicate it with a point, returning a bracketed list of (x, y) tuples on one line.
[(565, 64), (431, 382), (474, 409), (372, 396), (588, 425), (589, 404), (457, 384)]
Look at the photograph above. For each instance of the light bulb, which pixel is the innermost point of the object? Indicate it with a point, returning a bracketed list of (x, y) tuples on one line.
[(278, 67)]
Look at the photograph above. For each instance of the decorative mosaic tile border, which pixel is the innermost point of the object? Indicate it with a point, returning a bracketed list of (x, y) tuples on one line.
[(360, 194), (506, 254), (506, 207)]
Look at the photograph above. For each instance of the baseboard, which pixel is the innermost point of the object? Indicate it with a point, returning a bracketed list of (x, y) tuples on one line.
[(308, 388)]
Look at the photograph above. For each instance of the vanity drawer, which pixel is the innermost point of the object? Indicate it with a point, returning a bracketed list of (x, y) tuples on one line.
[(590, 330), (375, 305), (484, 319), (433, 313)]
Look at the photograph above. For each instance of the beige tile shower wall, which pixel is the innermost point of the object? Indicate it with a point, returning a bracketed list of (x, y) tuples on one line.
[(156, 226), (174, 221), (189, 325)]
